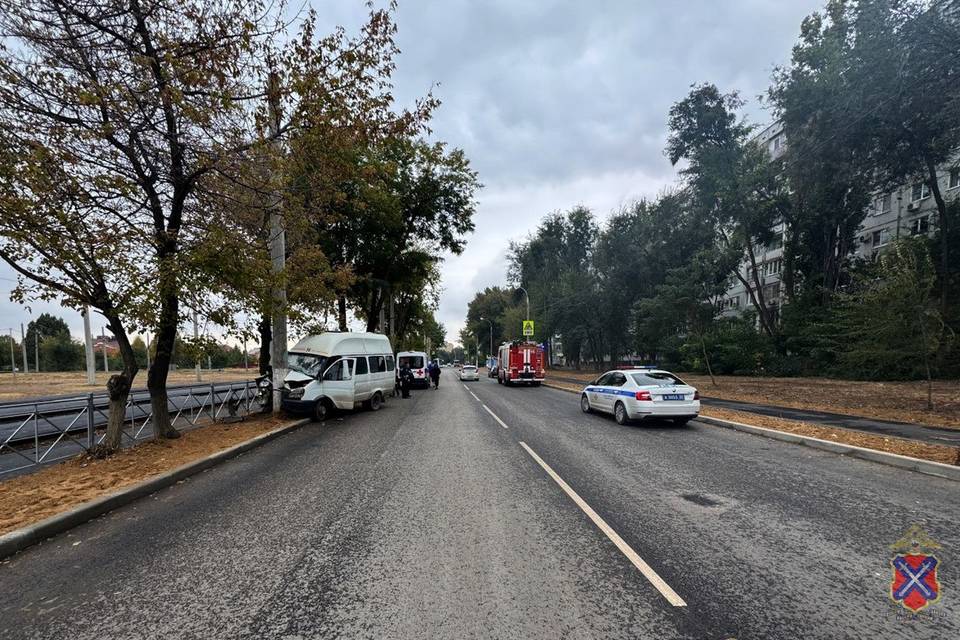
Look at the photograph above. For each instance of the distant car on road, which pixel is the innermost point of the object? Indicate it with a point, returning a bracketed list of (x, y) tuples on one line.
[(469, 372), (638, 394)]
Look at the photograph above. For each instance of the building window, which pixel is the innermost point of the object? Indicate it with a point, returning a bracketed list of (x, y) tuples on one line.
[(919, 192), (735, 302), (920, 226), (882, 204), (881, 237), (955, 177), (773, 267)]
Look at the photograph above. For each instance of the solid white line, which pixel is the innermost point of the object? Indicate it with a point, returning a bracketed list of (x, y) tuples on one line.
[(651, 575), (495, 417)]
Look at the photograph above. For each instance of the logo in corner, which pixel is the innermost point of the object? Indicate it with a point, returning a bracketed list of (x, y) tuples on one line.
[(915, 584)]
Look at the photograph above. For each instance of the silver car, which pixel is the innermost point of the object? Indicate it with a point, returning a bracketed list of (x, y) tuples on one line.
[(637, 394), (469, 372)]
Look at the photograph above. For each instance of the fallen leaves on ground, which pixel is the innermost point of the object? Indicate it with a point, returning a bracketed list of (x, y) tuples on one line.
[(33, 497), (897, 401), (924, 451)]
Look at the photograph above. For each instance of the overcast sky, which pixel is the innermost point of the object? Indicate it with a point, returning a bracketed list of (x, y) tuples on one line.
[(557, 103)]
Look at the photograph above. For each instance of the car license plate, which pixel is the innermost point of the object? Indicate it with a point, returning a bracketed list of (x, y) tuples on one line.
[(673, 396)]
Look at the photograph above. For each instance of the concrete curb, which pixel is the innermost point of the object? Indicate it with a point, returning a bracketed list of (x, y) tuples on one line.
[(950, 472), (20, 539)]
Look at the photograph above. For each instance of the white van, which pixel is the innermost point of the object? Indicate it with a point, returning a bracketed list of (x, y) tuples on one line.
[(338, 371), (417, 361)]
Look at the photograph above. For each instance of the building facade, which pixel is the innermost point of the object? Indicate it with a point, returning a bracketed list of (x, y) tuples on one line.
[(906, 211)]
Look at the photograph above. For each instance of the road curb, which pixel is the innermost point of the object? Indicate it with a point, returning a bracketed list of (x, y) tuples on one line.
[(20, 539), (950, 472)]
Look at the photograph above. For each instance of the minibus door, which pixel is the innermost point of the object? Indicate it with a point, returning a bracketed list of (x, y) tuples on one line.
[(339, 381)]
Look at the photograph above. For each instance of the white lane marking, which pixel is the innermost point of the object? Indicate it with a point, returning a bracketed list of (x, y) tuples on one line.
[(471, 392), (647, 571), (496, 417)]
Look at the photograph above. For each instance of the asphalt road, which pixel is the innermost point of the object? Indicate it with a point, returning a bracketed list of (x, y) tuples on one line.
[(434, 518)]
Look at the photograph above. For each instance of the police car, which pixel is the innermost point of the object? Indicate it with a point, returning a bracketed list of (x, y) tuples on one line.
[(637, 394)]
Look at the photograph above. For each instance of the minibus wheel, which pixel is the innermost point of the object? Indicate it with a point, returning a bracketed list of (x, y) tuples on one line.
[(321, 411)]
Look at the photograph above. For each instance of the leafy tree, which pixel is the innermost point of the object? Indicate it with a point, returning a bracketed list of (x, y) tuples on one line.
[(60, 352), (688, 302), (130, 107), (891, 323), (555, 266), (488, 312), (899, 67), (48, 326), (734, 189)]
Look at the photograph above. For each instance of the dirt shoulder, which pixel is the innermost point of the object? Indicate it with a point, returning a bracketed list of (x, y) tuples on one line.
[(34, 497), (897, 401), (32, 385), (923, 451)]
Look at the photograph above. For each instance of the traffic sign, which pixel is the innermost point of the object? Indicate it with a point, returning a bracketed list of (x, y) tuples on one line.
[(528, 327)]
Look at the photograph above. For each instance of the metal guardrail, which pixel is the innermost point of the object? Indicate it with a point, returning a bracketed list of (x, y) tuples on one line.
[(36, 433)]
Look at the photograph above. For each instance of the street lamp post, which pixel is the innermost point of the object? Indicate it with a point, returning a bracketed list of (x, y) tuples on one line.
[(491, 333)]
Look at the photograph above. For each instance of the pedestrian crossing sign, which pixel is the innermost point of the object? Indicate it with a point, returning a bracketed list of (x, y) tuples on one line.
[(528, 327)]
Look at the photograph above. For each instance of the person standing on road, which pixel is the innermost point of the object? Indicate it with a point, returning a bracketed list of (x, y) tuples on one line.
[(406, 380), (435, 374)]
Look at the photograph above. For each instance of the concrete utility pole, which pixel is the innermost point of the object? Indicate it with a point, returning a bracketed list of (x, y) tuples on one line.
[(23, 348), (148, 352), (278, 255), (88, 348), (245, 363), (196, 341), (36, 351), (13, 357), (103, 349)]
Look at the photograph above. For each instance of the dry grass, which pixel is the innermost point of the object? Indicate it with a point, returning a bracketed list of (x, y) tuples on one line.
[(923, 451), (898, 401), (32, 385), (55, 489)]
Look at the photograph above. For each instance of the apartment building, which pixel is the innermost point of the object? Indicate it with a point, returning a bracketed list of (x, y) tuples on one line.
[(908, 210)]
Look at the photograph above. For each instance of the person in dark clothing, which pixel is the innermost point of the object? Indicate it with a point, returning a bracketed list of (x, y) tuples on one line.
[(405, 380), (435, 374)]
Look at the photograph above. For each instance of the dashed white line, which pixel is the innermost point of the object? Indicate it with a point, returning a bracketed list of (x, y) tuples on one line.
[(665, 590), (496, 417), (471, 392)]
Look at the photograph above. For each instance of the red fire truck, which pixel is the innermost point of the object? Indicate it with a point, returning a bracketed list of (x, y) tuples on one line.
[(521, 363)]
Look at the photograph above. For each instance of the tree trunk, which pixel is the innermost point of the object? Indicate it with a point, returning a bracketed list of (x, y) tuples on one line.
[(118, 389), (944, 233), (706, 359), (160, 368), (373, 311), (266, 337), (342, 312)]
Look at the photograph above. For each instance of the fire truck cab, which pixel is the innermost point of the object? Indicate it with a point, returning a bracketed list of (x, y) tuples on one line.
[(520, 363)]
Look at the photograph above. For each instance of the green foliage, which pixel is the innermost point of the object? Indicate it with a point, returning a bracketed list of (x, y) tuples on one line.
[(734, 346), (890, 322)]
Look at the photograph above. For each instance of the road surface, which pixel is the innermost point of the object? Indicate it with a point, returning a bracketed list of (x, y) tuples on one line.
[(508, 515)]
